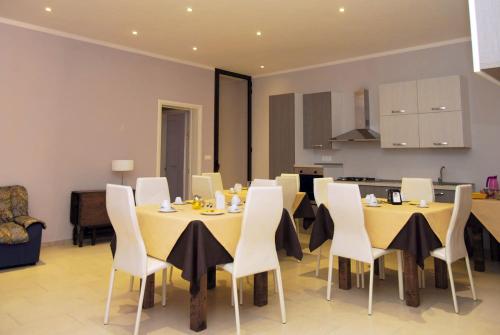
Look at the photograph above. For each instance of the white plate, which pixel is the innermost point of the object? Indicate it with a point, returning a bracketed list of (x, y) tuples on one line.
[(179, 204), (374, 205), (172, 210), (216, 212), (422, 206), (234, 211)]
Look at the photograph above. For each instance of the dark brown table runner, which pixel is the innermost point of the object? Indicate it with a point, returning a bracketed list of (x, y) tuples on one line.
[(305, 211)]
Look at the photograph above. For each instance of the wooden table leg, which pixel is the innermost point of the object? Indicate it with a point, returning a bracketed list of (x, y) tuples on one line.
[(440, 273), (344, 273), (476, 233), (198, 307), (211, 277), (149, 292), (412, 296), (260, 289), (376, 267)]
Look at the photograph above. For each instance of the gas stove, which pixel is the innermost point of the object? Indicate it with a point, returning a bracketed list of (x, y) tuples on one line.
[(355, 179)]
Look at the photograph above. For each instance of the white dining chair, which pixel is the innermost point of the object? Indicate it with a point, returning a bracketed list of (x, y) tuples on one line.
[(351, 239), (216, 180), (256, 249), (130, 254), (202, 186), (290, 190), (264, 182), (320, 189), (416, 189), (294, 175), (454, 248), (151, 190)]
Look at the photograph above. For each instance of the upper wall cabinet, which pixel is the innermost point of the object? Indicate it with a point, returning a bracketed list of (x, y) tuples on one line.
[(436, 109), (439, 94), (398, 98), (317, 113)]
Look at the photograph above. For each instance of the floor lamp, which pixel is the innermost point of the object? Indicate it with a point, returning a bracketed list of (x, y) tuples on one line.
[(122, 165)]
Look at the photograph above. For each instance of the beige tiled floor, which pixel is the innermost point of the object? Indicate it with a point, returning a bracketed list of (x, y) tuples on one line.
[(65, 294)]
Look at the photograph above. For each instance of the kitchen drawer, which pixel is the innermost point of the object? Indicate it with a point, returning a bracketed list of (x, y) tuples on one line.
[(444, 196), (442, 130), (399, 131)]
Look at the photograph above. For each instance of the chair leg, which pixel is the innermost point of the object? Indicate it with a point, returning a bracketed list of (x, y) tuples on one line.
[(110, 291), (452, 284), (131, 287), (241, 291), (400, 274), (362, 268), (318, 261), (139, 307), (236, 308), (277, 274), (164, 288), (171, 273), (329, 285), (471, 280), (357, 274), (370, 291)]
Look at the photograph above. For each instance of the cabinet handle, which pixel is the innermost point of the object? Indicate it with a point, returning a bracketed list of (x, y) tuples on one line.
[(439, 194), (400, 144), (320, 146), (441, 108), (399, 111), (440, 143)]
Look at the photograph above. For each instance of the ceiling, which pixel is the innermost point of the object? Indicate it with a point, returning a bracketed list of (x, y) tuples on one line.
[(295, 33)]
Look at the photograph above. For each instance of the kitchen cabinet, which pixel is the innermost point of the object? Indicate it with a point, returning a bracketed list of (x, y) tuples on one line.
[(439, 94), (398, 98), (317, 120), (281, 134), (399, 131), (427, 113), (442, 130)]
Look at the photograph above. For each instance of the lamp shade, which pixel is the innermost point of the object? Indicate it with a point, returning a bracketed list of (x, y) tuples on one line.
[(122, 165)]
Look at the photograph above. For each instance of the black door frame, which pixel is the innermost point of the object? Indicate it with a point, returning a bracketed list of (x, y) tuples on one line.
[(218, 73)]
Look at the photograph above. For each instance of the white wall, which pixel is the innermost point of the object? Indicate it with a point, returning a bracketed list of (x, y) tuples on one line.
[(368, 159)]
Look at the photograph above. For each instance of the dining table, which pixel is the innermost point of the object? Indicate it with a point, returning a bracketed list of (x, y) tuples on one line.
[(485, 217), (407, 227), (197, 240)]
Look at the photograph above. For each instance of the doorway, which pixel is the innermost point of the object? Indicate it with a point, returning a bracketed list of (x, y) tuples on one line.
[(175, 154), (233, 127), (178, 145)]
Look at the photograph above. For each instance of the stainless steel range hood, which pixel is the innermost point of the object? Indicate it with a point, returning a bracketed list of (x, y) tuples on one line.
[(362, 133)]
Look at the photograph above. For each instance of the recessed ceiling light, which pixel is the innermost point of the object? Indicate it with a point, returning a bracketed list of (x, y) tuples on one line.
[(259, 33), (341, 9), (195, 48), (48, 9), (135, 33), (262, 66), (189, 9)]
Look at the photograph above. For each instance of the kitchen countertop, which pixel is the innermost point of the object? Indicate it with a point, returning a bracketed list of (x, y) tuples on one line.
[(397, 183)]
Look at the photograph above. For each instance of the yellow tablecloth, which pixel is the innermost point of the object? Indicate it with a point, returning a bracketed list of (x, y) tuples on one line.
[(385, 222), (160, 231), (487, 211)]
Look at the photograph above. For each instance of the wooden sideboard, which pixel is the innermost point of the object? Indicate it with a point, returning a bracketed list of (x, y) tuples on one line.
[(88, 214)]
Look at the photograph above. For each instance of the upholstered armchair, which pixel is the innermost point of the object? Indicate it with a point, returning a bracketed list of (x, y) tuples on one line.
[(20, 234)]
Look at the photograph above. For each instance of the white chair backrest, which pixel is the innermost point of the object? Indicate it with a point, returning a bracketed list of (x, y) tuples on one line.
[(151, 190), (417, 189), (202, 186), (256, 249), (320, 188), (130, 255), (216, 180), (350, 238), (455, 244), (264, 182), (296, 176), (289, 187)]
